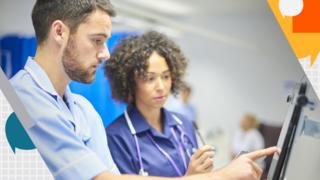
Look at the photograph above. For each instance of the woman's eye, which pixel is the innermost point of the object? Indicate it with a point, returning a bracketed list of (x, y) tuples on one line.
[(150, 78), (167, 76)]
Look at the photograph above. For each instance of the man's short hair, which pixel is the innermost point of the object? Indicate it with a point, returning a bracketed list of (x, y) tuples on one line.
[(71, 12)]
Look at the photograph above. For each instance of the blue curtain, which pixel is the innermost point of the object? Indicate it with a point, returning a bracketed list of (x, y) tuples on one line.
[(15, 50)]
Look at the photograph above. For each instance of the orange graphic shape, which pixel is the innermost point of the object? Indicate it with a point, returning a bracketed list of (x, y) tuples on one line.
[(303, 44), (308, 20)]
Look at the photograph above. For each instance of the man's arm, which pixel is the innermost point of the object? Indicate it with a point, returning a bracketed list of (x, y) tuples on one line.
[(241, 168), (110, 176), (244, 167)]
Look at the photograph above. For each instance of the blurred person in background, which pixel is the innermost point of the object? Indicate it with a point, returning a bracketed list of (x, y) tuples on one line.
[(247, 138), (184, 105)]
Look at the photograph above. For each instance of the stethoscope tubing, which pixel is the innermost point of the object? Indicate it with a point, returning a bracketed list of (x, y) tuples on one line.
[(180, 144)]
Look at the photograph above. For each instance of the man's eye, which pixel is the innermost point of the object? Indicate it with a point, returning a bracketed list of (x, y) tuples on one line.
[(98, 41)]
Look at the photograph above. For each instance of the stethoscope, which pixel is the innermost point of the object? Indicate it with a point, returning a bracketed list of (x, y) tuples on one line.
[(184, 139)]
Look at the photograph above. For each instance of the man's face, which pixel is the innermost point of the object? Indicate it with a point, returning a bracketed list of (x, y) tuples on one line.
[(86, 48)]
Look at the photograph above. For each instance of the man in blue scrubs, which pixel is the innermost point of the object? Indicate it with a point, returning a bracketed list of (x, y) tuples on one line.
[(67, 131)]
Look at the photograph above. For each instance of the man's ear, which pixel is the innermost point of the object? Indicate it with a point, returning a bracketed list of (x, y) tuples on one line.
[(59, 32)]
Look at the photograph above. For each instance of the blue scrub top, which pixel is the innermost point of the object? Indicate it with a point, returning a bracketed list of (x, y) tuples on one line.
[(124, 151), (69, 135)]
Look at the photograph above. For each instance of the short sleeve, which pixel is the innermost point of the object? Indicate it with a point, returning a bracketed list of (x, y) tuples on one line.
[(54, 135)]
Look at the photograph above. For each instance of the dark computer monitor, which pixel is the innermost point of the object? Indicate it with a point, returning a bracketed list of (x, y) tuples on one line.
[(299, 100)]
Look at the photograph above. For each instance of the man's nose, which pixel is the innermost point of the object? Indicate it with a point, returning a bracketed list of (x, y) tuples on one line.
[(104, 54)]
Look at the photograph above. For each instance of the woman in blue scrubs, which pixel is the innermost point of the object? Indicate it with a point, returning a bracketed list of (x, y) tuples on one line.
[(148, 139)]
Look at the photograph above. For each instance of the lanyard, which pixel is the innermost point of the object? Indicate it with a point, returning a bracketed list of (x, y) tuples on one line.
[(183, 157), (166, 155), (180, 144)]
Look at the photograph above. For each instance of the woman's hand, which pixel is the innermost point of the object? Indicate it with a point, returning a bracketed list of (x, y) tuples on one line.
[(201, 161)]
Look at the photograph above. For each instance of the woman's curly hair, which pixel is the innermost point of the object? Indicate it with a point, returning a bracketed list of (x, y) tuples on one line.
[(130, 59)]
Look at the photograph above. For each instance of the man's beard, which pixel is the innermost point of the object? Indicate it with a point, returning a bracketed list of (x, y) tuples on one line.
[(72, 66)]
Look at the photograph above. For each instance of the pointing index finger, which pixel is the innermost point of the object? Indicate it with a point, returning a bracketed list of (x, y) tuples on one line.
[(261, 153)]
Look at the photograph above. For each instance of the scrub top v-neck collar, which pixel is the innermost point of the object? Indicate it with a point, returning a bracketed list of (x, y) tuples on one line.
[(141, 124)]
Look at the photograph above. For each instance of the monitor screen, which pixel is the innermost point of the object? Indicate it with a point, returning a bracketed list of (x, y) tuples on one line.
[(291, 128)]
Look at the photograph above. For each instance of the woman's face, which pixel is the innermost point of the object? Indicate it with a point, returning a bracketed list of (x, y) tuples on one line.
[(152, 91)]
